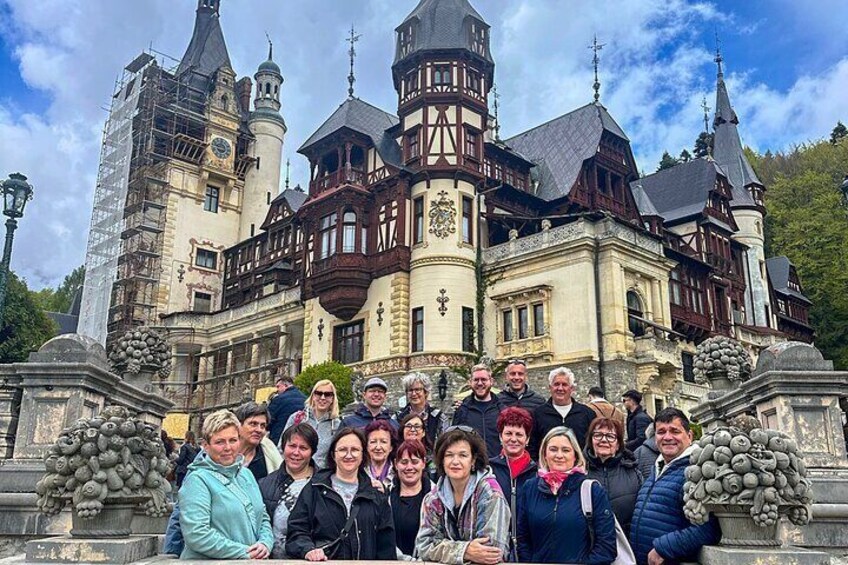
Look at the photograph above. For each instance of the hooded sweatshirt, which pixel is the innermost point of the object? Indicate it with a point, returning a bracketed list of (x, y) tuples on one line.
[(221, 511), (483, 512)]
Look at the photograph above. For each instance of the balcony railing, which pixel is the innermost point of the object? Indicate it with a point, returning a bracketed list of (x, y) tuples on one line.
[(351, 176)]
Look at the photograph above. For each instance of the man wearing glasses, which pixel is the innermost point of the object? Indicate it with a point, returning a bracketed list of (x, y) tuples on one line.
[(371, 407), (518, 392), (480, 409)]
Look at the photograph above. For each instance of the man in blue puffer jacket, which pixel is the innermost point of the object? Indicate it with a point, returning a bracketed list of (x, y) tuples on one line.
[(660, 532)]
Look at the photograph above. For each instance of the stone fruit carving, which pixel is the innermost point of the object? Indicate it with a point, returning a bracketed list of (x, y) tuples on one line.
[(722, 356), (111, 456), (141, 349), (761, 469)]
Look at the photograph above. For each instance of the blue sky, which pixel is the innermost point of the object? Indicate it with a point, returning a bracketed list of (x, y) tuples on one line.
[(786, 64)]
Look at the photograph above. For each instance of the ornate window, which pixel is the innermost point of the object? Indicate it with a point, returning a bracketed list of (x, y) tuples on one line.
[(210, 204), (206, 259), (413, 150), (507, 325), (327, 236), (471, 144), (523, 329), (538, 320), (418, 220), (468, 329), (417, 330), (523, 322), (467, 220), (348, 342), (442, 75), (634, 311), (349, 232)]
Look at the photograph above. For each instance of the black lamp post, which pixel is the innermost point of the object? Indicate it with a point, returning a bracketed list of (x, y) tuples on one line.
[(16, 193), (443, 385), (844, 189)]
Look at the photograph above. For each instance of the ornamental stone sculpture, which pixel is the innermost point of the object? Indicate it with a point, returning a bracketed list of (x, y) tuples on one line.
[(739, 477), (721, 361), (113, 459), (141, 350)]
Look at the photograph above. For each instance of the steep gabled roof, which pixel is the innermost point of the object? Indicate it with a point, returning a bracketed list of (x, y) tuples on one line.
[(558, 148), (294, 198), (680, 191), (441, 25), (779, 270), (361, 117), (727, 148), (643, 201), (207, 51)]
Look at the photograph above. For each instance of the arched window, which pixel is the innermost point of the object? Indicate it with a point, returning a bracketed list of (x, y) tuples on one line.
[(224, 102), (349, 232), (267, 89), (635, 310)]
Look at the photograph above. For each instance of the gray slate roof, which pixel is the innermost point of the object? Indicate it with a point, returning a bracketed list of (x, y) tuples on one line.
[(207, 51), (728, 152), (441, 25), (643, 201), (678, 192), (361, 117), (558, 148), (778, 269), (294, 198)]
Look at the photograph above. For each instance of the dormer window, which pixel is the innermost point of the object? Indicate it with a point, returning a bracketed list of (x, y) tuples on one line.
[(406, 40), (479, 38)]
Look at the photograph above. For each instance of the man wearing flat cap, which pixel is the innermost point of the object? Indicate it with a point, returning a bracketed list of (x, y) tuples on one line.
[(371, 407)]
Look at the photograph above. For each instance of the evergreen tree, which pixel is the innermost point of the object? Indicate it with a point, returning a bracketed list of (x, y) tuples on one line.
[(838, 133), (25, 327), (685, 157), (808, 223), (703, 145), (667, 162)]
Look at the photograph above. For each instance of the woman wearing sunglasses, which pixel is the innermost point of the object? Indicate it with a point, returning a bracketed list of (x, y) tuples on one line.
[(466, 517), (322, 413), (614, 466), (340, 515)]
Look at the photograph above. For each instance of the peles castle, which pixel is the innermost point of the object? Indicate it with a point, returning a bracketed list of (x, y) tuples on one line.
[(423, 239)]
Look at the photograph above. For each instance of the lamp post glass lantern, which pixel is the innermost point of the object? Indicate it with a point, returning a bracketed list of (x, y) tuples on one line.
[(16, 193)]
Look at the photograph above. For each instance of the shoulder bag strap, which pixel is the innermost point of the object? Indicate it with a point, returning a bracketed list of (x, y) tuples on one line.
[(586, 506)]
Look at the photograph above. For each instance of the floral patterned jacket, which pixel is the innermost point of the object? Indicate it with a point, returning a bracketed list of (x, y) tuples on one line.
[(484, 512)]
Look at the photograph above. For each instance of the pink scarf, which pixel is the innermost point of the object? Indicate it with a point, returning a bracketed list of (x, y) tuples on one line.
[(556, 478)]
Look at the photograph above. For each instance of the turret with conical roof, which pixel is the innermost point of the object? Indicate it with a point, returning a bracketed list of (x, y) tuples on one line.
[(747, 203)]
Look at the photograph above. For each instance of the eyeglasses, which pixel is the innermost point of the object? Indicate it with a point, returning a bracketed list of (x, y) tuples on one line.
[(517, 362), (600, 436), (466, 429), (416, 427), (348, 451), (417, 390), (322, 394)]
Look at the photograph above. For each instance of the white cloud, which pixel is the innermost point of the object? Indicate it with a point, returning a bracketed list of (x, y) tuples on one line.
[(654, 69)]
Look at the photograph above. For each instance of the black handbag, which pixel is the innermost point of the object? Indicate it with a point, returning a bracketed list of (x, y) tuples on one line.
[(332, 548)]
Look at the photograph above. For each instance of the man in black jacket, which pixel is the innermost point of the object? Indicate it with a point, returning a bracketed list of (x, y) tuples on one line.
[(518, 392), (560, 410), (286, 402), (480, 409), (637, 419)]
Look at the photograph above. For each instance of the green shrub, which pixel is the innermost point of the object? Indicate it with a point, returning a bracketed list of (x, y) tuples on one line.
[(330, 370)]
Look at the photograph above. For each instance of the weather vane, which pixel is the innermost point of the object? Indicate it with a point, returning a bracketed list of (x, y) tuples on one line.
[(596, 60), (270, 47), (497, 98), (351, 79), (706, 114), (288, 172), (718, 58)]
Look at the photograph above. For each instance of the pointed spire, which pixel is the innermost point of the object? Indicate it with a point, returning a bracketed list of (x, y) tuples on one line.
[(351, 79), (207, 51), (723, 111), (596, 60), (210, 5), (497, 98), (718, 58)]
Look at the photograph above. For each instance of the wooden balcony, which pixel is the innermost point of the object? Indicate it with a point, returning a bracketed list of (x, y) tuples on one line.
[(337, 178)]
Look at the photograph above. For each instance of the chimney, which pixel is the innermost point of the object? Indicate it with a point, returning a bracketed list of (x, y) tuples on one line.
[(244, 89)]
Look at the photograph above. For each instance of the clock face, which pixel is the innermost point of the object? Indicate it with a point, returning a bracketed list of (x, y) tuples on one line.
[(221, 148)]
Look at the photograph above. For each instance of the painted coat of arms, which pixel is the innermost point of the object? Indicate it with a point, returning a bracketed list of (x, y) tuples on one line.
[(442, 216)]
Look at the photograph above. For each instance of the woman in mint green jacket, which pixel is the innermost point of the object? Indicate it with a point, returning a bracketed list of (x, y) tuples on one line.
[(222, 514)]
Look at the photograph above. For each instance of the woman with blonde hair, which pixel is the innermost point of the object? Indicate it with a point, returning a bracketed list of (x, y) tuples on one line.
[(321, 411), (551, 525), (222, 513)]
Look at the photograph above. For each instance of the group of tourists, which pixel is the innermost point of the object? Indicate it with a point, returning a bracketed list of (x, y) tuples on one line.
[(513, 477)]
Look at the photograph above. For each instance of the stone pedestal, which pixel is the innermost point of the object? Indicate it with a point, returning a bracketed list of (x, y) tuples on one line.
[(795, 390), (65, 549), (718, 555)]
